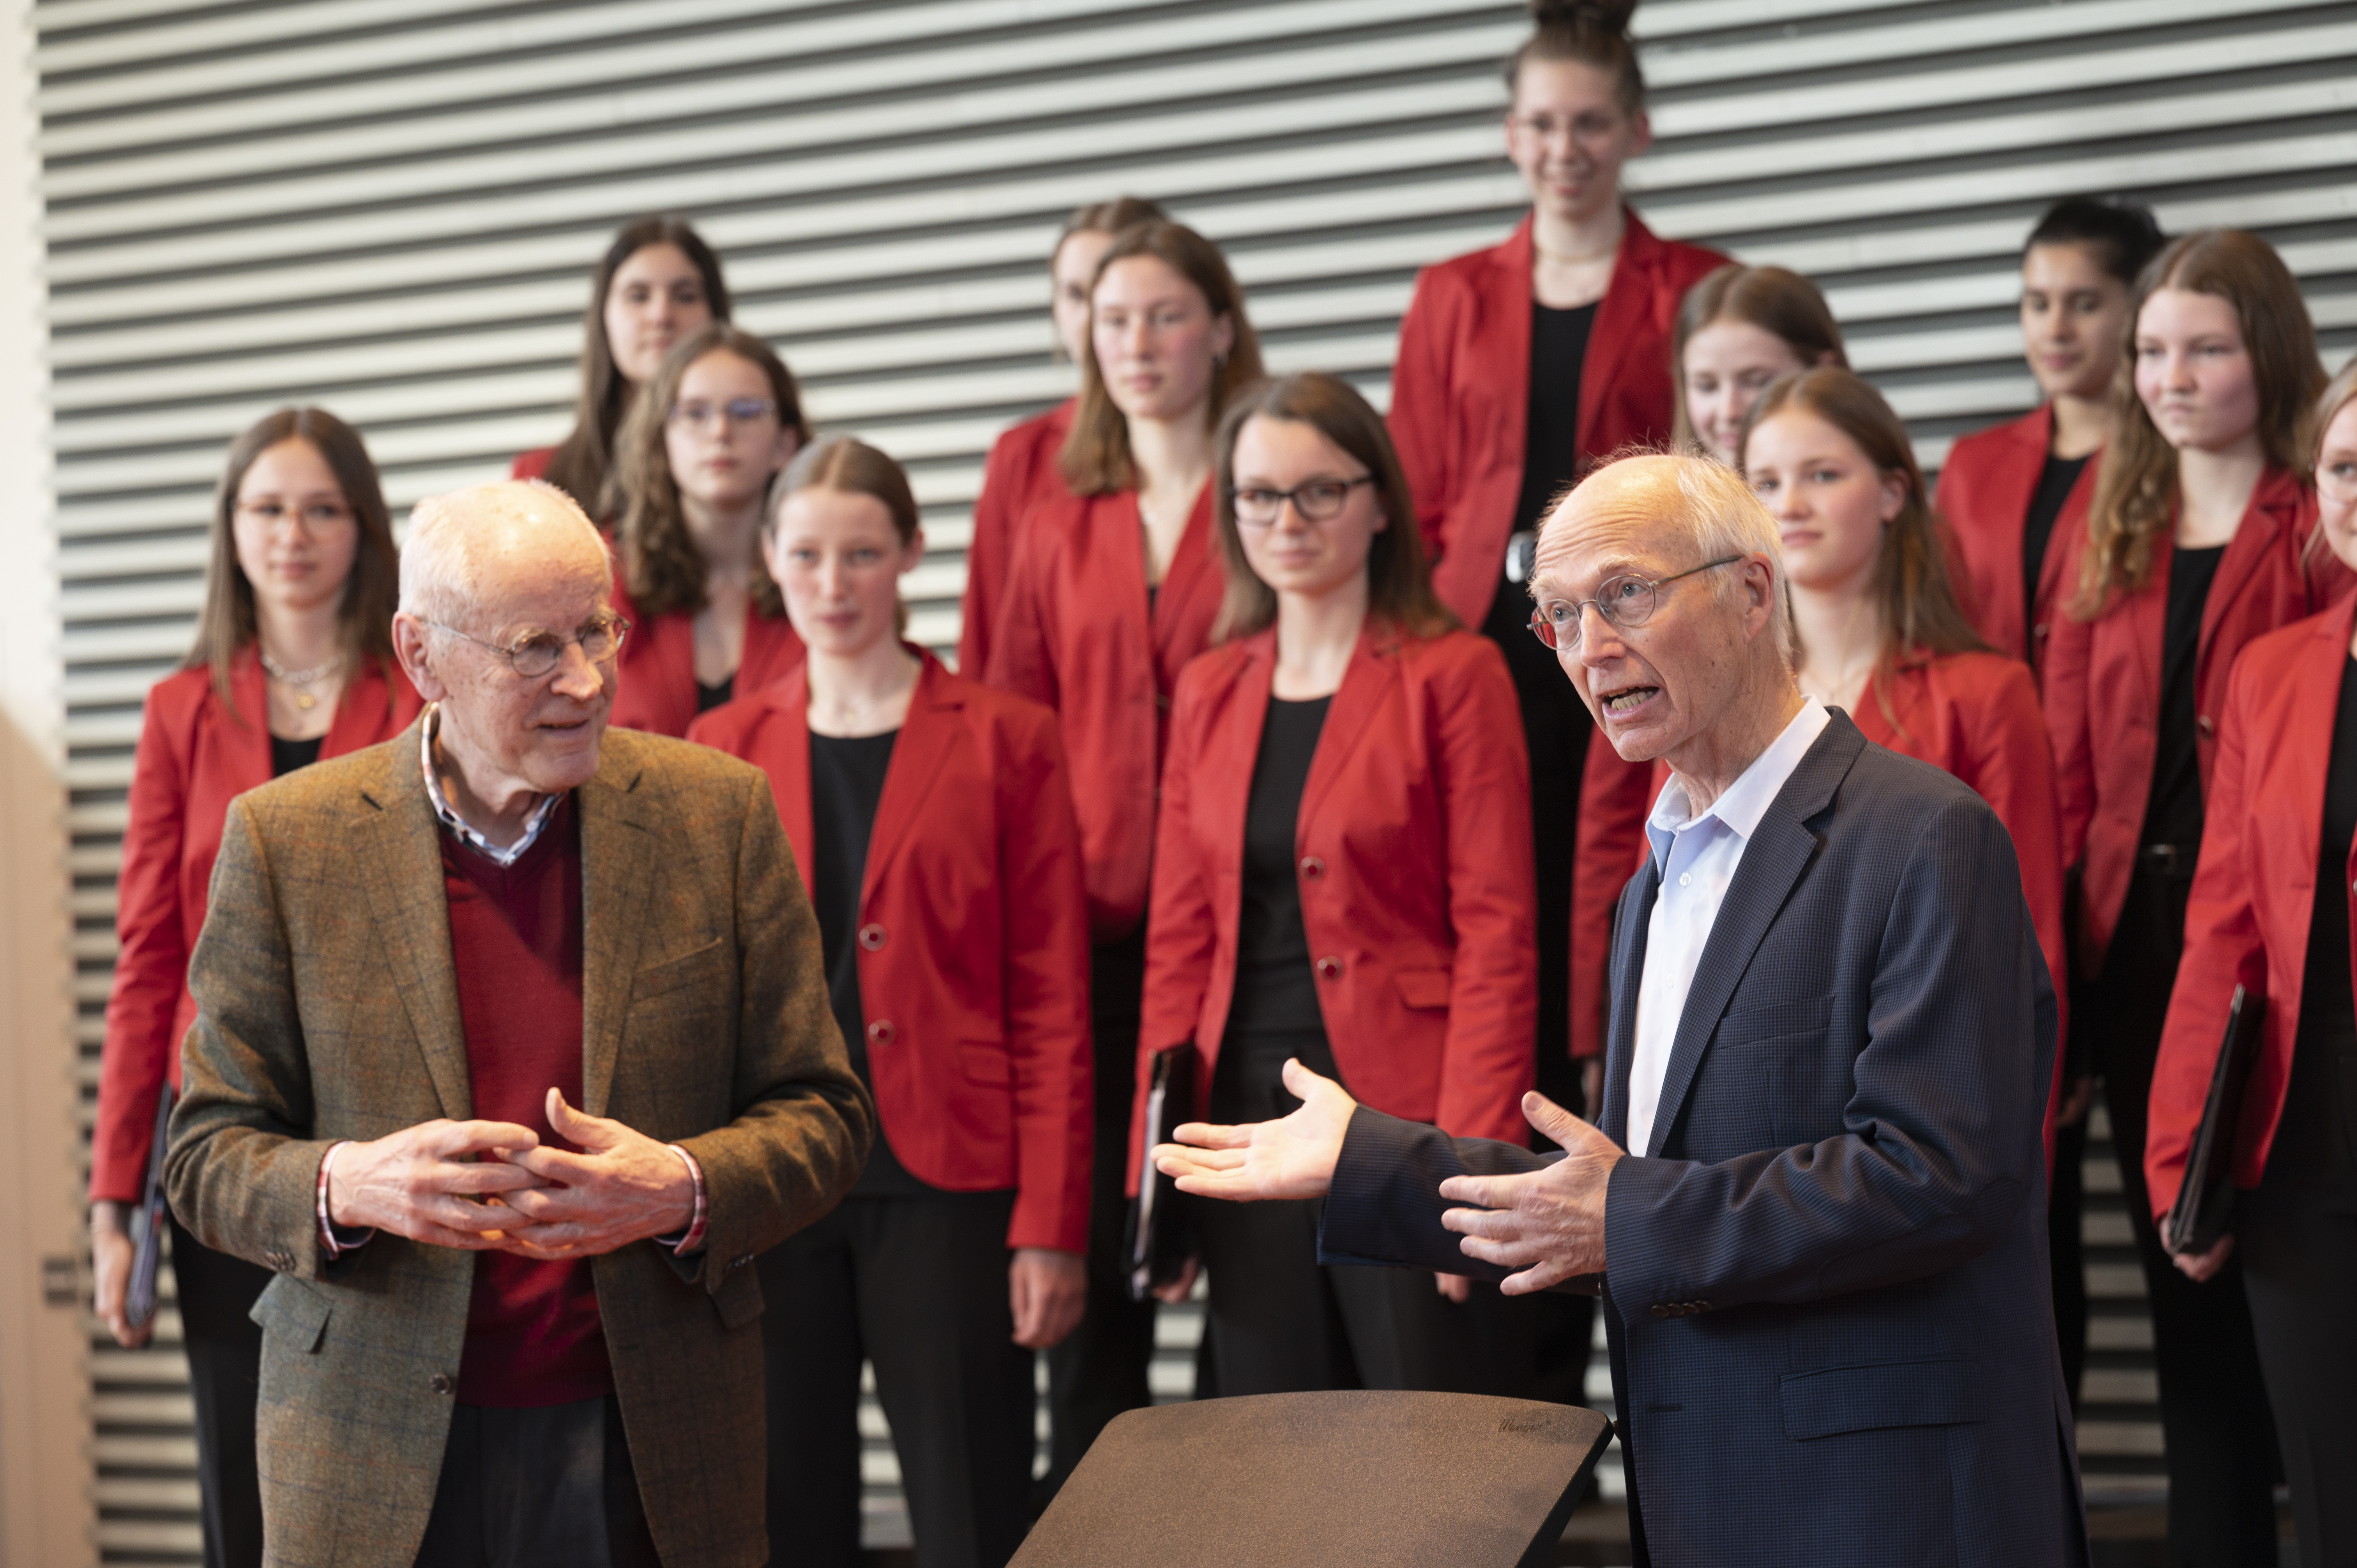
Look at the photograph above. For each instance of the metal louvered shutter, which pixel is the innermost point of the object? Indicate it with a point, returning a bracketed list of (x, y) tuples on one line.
[(389, 207)]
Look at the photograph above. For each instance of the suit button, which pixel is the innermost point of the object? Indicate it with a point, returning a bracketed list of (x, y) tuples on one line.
[(1312, 868), (440, 1385), (881, 1032), (740, 1260), (1330, 968), (871, 936), (2202, 722)]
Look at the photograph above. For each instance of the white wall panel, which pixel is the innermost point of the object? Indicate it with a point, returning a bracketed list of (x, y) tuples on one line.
[(391, 207)]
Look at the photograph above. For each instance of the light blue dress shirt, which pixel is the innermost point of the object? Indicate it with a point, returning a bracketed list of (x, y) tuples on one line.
[(1696, 857)]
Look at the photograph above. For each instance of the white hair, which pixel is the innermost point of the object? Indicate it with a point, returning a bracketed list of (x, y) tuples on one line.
[(449, 535)]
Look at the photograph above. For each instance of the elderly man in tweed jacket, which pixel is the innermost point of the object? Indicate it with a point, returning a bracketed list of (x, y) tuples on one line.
[(506, 1331)]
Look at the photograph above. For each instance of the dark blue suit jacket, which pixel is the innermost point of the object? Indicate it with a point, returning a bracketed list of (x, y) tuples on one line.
[(1831, 1334)]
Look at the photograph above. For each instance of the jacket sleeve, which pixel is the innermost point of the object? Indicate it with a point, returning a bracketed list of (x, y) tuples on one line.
[(2224, 948), (986, 554), (1608, 847), (803, 1120), (1045, 916), (1485, 780), (1419, 418), (1385, 1206), (151, 966), (1181, 931), (1938, 1149)]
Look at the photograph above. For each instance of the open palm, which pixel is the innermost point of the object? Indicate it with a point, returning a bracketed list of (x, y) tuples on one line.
[(1293, 1156)]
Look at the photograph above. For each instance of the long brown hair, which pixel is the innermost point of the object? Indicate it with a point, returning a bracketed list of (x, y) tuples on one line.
[(228, 624), (580, 465), (1920, 616), (661, 567), (2136, 485), (1399, 580), (1771, 298), (847, 464), (1096, 458), (1594, 32)]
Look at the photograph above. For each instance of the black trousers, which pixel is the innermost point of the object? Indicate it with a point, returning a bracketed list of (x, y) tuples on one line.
[(542, 1487), (2213, 1403), (2298, 1238), (224, 1349), (1099, 1370), (916, 1285), (2066, 1252)]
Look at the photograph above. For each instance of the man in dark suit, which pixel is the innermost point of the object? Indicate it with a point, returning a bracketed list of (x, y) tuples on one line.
[(1815, 1207)]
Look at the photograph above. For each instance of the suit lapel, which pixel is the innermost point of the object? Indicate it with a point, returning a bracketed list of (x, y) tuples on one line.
[(1778, 852), (618, 846), (396, 848), (927, 737), (1372, 675), (1627, 969)]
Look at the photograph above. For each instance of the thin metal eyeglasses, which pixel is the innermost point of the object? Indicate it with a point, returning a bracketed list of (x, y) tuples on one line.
[(1318, 500), (534, 656), (738, 409), (1624, 601)]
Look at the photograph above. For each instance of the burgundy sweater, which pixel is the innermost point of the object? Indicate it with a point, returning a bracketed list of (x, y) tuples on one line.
[(533, 1337)]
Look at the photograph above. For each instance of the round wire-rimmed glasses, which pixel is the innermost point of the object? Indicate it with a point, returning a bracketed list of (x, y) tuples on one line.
[(535, 655), (1623, 601)]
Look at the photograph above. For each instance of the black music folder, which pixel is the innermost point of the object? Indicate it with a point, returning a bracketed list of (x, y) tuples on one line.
[(1155, 1240), (2204, 1208), (147, 1221), (1355, 1479)]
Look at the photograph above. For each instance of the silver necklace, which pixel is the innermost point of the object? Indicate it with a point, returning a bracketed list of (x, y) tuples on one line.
[(301, 679)]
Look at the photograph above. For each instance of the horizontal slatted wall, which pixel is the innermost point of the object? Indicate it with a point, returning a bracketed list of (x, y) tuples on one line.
[(389, 207)]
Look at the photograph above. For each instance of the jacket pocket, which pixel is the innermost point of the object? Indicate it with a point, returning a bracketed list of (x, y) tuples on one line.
[(1423, 989), (986, 1063), (709, 964), (290, 1308), (1940, 1391), (1749, 1025), (739, 1299)]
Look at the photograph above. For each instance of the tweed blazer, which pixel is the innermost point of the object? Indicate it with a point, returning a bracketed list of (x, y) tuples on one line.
[(1826, 1283), (328, 1008)]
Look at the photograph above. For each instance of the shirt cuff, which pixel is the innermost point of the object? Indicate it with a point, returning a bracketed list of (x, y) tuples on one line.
[(691, 1238), (335, 1240)]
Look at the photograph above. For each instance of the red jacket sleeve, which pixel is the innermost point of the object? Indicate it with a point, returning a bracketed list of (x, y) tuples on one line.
[(1608, 849), (1419, 419), (1485, 779), (151, 968), (1045, 906), (986, 554)]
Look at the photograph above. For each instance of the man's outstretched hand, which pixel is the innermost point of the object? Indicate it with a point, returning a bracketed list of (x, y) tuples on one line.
[(1548, 1223), (1291, 1157)]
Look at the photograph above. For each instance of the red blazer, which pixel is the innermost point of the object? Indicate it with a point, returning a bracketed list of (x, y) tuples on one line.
[(1076, 632), (974, 954), (656, 688), (1985, 492), (1022, 472), (1416, 887), (2253, 893), (533, 465), (194, 756), (2103, 686), (1462, 386)]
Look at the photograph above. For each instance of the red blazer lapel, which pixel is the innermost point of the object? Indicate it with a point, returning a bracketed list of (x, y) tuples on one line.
[(770, 650), (1499, 347), (2303, 759), (1366, 690), (927, 735), (245, 739), (1224, 776), (1188, 600), (785, 754), (2069, 526), (1631, 301)]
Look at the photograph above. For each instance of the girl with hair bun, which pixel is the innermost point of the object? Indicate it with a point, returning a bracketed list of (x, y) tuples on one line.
[(2198, 540), (932, 817), (1740, 330), (656, 283), (1519, 366), (2016, 495), (1023, 468)]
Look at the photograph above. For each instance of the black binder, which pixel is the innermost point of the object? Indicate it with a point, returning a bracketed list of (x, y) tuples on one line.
[(1155, 1239), (2204, 1208), (147, 1221)]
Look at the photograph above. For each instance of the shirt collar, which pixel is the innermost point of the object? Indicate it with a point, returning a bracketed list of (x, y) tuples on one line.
[(451, 821), (1740, 806)]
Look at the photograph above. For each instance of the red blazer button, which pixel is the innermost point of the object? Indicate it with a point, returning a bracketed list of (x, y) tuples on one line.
[(1329, 968), (2203, 723), (1312, 867), (871, 936), (881, 1033)]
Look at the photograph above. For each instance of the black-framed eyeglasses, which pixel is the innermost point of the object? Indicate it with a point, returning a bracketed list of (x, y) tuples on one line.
[(1623, 601), (738, 409), (1318, 500), (534, 654)]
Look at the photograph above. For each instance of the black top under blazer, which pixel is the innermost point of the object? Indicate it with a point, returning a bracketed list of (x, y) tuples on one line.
[(1827, 1298)]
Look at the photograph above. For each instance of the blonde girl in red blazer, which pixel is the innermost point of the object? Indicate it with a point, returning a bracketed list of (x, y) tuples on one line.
[(2198, 541), (692, 468), (1024, 467), (2016, 495), (932, 819), (2272, 909), (1343, 876), (292, 661)]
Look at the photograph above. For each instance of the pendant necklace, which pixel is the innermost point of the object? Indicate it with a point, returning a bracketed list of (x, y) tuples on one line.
[(301, 681)]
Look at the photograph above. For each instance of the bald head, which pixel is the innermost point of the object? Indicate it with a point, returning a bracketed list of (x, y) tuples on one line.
[(464, 549)]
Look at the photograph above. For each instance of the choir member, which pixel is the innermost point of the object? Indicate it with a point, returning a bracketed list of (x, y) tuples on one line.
[(1343, 876), (1112, 589), (292, 661), (1741, 329), (1023, 467), (932, 819), (2197, 542), (2271, 909), (1878, 631), (693, 464), (2016, 494), (656, 283)]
